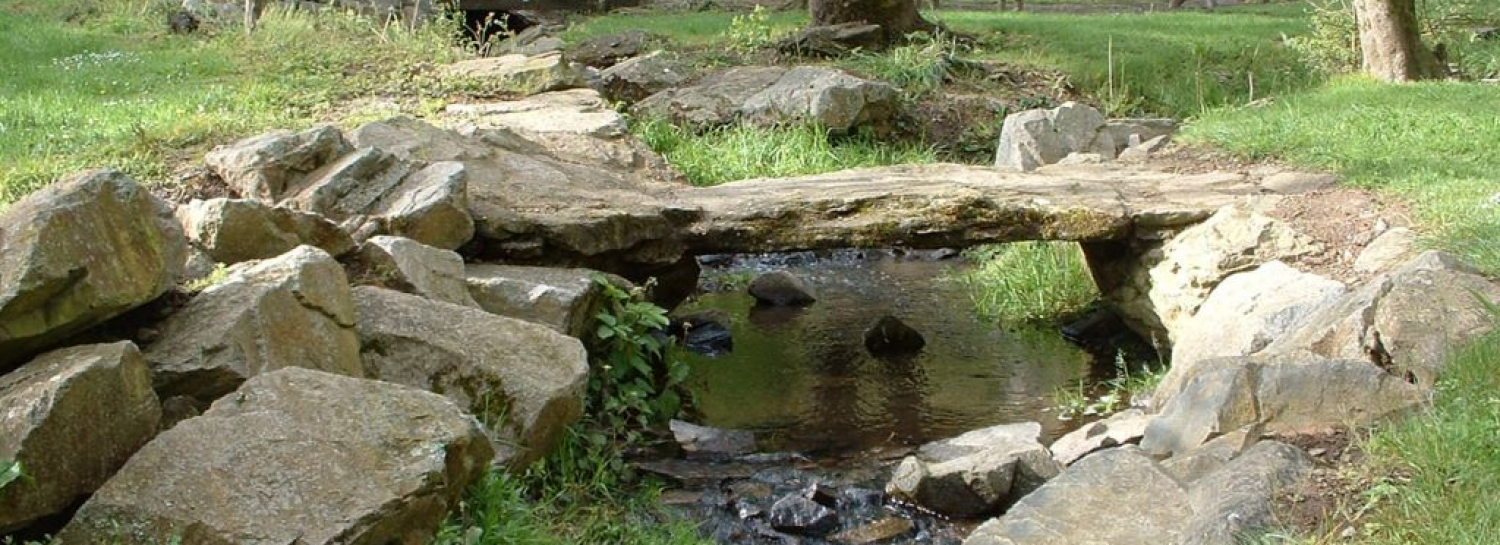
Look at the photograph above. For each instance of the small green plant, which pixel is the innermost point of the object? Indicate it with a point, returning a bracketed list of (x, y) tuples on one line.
[(637, 380), (10, 472), (750, 32), (1029, 281), (1127, 388), (917, 68)]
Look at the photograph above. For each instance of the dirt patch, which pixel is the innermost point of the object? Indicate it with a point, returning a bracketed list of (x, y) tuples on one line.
[(1332, 502), (1344, 220)]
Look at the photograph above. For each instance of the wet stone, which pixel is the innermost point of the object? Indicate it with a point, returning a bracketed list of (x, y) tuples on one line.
[(799, 515), (780, 289), (714, 443), (881, 531), (890, 336)]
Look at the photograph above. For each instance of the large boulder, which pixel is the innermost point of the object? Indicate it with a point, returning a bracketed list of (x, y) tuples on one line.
[(634, 79), (262, 167), (1159, 294), (236, 230), (1234, 505), (1034, 138), (77, 253), (565, 300), (1119, 497), (410, 266), (604, 51), (291, 311), (295, 456), (1282, 392), (372, 191), (711, 102), (1407, 321), (524, 381), (71, 417), (610, 211), (833, 98), (519, 73), (975, 473), (780, 289), (1243, 315)]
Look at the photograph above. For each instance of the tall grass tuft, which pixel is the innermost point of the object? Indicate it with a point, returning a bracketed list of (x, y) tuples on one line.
[(1451, 455), (1029, 281), (741, 151)]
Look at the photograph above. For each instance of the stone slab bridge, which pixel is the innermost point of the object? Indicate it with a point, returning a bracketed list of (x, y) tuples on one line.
[(614, 207)]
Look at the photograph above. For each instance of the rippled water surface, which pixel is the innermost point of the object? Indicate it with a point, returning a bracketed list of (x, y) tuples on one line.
[(803, 380)]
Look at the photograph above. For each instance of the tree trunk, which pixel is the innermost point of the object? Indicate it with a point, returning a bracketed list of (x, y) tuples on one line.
[(896, 18), (1390, 43)]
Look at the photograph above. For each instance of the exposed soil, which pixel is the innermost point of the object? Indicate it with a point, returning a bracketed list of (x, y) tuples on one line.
[(1343, 220), (1332, 503)]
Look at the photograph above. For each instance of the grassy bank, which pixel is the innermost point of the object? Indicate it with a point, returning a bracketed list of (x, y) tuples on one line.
[(93, 83), (1029, 281), (1176, 64), (1431, 145), (741, 152)]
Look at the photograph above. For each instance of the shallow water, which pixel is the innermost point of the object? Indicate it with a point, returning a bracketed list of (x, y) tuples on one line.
[(802, 379)]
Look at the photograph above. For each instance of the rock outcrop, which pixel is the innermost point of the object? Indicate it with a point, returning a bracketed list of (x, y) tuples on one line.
[(71, 417), (566, 300), (295, 456), (1035, 138), (79, 252), (410, 266), (829, 97), (236, 230), (291, 311), (524, 381)]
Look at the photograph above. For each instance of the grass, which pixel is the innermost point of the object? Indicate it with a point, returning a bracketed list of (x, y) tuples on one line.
[(90, 83), (579, 494), (1175, 64), (1030, 281), (1448, 460), (1429, 144), (741, 152)]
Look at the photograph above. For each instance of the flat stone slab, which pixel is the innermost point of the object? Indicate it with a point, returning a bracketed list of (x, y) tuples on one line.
[(947, 205)]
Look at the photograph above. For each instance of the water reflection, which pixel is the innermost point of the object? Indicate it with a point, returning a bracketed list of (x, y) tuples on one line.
[(802, 377)]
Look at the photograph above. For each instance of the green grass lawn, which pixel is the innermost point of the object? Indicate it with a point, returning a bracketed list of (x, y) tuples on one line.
[(113, 89), (1175, 64), (1431, 144)]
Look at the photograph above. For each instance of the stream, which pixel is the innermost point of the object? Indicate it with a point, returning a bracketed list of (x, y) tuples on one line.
[(803, 382)]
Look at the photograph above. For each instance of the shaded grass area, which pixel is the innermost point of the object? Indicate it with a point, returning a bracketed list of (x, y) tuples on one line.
[(1175, 64), (740, 152), (579, 494), (112, 88), (1431, 144), (1029, 281)]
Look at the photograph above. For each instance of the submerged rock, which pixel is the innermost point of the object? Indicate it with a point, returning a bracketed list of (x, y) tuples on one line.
[(704, 332), (712, 442), (800, 515), (890, 336), (780, 289)]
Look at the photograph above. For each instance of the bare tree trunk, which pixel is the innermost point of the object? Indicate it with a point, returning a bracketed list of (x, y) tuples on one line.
[(1390, 43), (896, 18), (253, 9)]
